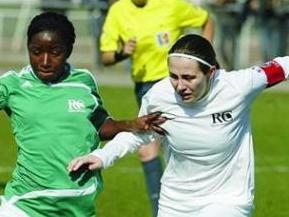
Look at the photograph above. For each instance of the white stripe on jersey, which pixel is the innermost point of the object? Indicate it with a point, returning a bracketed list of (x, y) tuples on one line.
[(53, 193), (72, 85), (26, 70), (87, 72), (93, 78), (6, 74), (80, 85)]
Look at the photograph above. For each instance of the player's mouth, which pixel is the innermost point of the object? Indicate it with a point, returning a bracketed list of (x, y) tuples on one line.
[(186, 97), (45, 74)]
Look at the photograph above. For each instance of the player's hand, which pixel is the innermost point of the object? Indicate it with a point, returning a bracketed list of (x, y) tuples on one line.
[(129, 47), (90, 161), (151, 121)]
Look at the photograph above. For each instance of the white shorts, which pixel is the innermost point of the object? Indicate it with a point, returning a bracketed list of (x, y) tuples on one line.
[(210, 210), (10, 210), (174, 203)]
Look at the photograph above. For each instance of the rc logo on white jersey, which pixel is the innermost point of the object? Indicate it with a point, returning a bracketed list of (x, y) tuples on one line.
[(26, 84), (76, 105), (222, 117)]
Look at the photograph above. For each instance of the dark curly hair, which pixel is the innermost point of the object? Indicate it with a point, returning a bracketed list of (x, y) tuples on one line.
[(53, 22)]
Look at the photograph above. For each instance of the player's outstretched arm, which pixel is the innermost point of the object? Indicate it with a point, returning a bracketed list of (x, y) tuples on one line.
[(122, 144), (150, 122), (92, 162)]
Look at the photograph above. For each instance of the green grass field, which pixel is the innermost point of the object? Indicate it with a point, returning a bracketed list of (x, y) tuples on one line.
[(124, 190)]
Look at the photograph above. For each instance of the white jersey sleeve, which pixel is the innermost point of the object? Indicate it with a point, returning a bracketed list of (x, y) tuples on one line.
[(284, 63), (253, 80), (122, 144), (276, 70), (126, 142)]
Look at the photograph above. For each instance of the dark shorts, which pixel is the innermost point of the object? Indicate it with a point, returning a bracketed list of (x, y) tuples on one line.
[(141, 88)]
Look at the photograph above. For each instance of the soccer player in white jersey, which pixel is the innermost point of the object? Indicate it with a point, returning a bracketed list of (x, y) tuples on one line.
[(210, 170), (56, 114)]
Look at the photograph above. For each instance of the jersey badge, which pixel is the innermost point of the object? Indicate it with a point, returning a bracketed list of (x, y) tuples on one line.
[(222, 118), (163, 39), (75, 105), (26, 84)]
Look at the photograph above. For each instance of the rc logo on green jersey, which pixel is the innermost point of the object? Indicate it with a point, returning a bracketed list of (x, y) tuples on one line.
[(26, 84), (76, 105)]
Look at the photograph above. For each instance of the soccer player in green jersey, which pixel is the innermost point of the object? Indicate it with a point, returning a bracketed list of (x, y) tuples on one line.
[(56, 114)]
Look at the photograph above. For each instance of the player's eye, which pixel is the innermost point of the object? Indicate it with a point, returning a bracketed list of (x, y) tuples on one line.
[(189, 77), (56, 52), (35, 51), (173, 76)]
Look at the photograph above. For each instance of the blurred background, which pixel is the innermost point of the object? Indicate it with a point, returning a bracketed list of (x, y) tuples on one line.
[(239, 40)]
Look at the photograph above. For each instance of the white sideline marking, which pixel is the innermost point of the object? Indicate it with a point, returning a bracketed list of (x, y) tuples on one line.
[(262, 169), (270, 158), (278, 169)]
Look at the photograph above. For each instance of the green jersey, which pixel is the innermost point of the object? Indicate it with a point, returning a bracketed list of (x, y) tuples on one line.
[(52, 124)]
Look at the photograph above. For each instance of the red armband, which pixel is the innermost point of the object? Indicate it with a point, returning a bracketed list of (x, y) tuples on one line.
[(274, 73)]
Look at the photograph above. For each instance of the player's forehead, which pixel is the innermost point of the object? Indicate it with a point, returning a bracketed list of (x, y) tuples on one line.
[(180, 66), (45, 37), (183, 64)]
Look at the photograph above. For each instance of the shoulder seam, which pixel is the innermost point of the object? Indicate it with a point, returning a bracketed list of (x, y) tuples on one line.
[(25, 70), (90, 74), (9, 73)]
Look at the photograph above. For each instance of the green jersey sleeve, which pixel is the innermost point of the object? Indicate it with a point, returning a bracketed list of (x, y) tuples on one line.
[(3, 96), (100, 114)]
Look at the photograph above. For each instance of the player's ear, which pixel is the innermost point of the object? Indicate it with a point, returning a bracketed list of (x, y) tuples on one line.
[(69, 51), (212, 71)]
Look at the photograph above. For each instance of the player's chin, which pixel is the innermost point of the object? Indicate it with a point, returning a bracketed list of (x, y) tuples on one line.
[(46, 77), (189, 101), (188, 98)]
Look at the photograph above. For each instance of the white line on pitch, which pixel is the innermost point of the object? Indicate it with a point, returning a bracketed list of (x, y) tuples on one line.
[(259, 169)]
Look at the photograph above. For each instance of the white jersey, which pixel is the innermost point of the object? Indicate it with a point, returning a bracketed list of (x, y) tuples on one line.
[(210, 141)]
